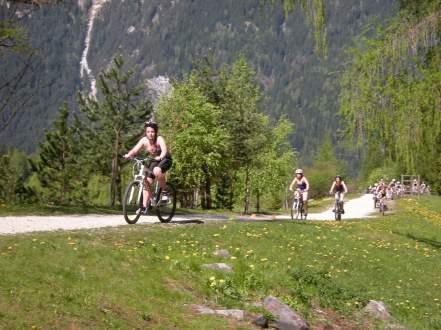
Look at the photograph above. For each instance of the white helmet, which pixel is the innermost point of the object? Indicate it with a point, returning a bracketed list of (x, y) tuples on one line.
[(299, 171)]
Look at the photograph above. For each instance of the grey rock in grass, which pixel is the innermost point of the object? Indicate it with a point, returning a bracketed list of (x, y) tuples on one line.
[(218, 266), (378, 310), (285, 317), (261, 321), (222, 253), (233, 313)]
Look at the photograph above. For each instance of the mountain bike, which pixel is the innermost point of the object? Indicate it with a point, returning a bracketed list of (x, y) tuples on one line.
[(297, 209), (382, 205), (376, 200), (338, 207), (162, 201)]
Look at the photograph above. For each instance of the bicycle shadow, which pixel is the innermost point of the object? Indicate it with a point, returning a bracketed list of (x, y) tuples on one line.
[(185, 222)]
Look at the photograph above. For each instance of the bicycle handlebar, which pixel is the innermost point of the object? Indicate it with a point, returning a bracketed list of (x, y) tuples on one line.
[(140, 160)]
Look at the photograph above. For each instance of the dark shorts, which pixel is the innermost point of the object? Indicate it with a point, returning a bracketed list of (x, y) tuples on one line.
[(164, 165)]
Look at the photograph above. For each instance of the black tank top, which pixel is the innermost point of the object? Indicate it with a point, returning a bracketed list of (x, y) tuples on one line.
[(339, 188)]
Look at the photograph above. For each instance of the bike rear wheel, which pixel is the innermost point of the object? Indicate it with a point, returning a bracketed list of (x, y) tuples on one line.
[(132, 202), (338, 211), (165, 208), (302, 211)]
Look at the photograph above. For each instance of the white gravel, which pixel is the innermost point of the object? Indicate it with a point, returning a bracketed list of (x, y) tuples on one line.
[(355, 209), (24, 224)]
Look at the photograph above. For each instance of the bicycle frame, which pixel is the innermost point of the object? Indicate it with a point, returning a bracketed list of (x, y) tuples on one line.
[(138, 172), (297, 205)]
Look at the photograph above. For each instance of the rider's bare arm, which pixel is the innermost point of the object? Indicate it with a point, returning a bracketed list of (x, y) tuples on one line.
[(344, 187), (332, 187), (292, 184), (136, 148), (163, 146)]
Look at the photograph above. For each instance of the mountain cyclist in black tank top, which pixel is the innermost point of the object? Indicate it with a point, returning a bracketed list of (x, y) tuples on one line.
[(339, 187), (156, 147)]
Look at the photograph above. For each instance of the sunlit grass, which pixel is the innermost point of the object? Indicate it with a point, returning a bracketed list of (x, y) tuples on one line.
[(144, 276)]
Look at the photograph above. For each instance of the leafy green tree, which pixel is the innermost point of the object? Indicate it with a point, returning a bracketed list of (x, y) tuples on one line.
[(199, 143), (14, 172), (392, 93), (325, 167), (240, 99), (113, 122), (272, 168)]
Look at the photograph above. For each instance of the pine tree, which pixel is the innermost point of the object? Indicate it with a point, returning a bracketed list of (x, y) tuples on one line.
[(57, 167), (113, 122)]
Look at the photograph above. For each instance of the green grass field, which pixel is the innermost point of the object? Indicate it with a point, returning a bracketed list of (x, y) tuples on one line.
[(145, 276)]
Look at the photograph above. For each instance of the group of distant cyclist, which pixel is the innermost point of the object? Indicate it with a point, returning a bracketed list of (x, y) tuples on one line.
[(300, 184), (383, 191), (395, 189)]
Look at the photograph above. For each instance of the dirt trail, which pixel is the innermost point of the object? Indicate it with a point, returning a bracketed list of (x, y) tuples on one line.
[(25, 224), (355, 209)]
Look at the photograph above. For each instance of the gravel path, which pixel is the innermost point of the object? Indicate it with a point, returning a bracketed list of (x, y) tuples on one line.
[(31, 223), (355, 209)]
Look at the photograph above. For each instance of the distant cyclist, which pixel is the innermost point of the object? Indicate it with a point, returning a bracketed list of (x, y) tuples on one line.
[(382, 192), (155, 146), (300, 182), (339, 187)]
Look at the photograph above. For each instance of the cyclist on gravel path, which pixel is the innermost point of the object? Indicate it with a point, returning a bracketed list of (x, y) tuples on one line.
[(155, 146), (303, 185), (339, 187)]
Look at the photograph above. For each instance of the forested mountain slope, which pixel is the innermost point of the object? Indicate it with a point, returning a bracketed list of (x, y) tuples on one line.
[(166, 37)]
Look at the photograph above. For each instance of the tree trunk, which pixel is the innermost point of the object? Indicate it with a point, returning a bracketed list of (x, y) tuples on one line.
[(115, 180), (206, 196), (258, 201), (246, 207), (195, 198)]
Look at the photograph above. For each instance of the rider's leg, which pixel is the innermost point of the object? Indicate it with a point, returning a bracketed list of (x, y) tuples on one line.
[(147, 193), (342, 198), (305, 202), (160, 177)]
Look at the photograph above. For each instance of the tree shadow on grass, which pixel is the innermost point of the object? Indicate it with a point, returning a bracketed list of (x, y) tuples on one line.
[(431, 242)]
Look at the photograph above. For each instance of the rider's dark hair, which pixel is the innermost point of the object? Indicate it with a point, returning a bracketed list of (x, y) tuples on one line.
[(153, 125)]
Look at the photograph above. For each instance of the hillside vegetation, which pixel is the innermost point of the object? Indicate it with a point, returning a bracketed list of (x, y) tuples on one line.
[(167, 38)]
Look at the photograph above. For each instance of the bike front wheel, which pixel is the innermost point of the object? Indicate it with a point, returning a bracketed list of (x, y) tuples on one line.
[(338, 211), (382, 207), (296, 210), (166, 204), (132, 202)]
